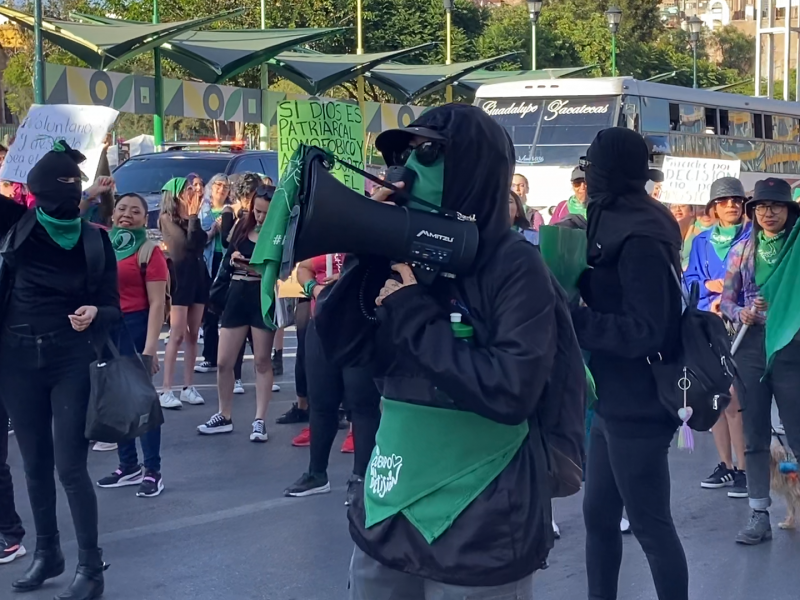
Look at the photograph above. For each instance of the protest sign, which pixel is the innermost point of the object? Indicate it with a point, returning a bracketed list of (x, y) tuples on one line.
[(687, 180), (84, 128), (333, 126)]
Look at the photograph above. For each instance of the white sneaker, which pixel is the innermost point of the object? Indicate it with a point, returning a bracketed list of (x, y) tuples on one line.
[(625, 525), (259, 431), (238, 387), (276, 387), (168, 400), (191, 396), (104, 447), (556, 530)]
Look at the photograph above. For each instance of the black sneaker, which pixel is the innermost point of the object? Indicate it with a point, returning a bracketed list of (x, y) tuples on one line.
[(205, 367), (216, 424), (293, 415), (121, 477), (308, 485), (355, 486), (277, 362), (10, 549), (152, 485), (739, 489), (720, 478)]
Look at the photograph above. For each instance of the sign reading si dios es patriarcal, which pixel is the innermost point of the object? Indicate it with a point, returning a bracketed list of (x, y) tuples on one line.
[(333, 126)]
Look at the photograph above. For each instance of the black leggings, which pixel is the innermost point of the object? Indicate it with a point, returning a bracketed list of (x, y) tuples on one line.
[(44, 381), (328, 388), (302, 315), (632, 472), (10, 523)]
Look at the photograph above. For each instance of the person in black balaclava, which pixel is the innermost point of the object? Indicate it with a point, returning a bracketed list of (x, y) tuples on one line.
[(633, 313), (462, 392), (45, 352)]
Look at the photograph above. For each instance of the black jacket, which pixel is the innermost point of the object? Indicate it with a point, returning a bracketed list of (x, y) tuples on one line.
[(505, 534)]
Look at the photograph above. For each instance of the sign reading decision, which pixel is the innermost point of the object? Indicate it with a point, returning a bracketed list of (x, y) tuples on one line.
[(687, 180), (333, 126), (84, 128)]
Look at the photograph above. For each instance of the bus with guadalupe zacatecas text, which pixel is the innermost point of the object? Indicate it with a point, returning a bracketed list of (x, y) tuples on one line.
[(552, 122)]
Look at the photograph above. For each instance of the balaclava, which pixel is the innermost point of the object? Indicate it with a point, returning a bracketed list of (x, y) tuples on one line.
[(56, 198)]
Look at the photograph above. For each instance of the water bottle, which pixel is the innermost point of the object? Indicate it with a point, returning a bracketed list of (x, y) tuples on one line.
[(461, 331)]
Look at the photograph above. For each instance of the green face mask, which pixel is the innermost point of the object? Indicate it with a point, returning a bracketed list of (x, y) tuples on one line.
[(429, 184)]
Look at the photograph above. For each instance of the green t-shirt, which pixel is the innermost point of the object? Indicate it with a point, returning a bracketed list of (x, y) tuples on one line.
[(218, 247)]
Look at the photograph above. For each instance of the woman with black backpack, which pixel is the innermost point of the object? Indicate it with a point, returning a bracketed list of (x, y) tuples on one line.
[(63, 280), (143, 276), (761, 291)]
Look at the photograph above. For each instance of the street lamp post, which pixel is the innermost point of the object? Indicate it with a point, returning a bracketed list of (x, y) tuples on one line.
[(448, 16), (534, 10), (38, 66), (263, 128), (613, 16), (695, 27), (158, 100)]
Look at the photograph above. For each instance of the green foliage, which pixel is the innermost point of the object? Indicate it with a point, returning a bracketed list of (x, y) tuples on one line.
[(735, 49)]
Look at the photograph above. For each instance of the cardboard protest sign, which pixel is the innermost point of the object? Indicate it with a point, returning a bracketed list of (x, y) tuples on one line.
[(333, 126), (84, 128), (687, 180)]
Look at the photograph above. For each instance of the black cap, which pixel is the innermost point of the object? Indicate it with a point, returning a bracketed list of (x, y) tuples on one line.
[(771, 189), (393, 140)]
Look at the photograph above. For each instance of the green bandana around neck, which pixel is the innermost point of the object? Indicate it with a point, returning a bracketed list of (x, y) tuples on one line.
[(769, 249), (64, 233), (781, 290), (175, 185), (126, 242), (700, 227), (429, 184), (576, 207), (722, 238)]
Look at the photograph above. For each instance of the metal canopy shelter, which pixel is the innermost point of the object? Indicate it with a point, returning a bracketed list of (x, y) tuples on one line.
[(315, 72), (409, 82), (103, 47)]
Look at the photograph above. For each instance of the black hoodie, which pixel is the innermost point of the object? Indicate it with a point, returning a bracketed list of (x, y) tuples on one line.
[(505, 534)]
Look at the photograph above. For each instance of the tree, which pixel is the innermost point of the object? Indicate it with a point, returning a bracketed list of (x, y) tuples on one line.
[(735, 49)]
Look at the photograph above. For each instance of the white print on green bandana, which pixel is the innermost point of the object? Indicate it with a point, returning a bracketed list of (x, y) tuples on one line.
[(384, 472), (124, 240)]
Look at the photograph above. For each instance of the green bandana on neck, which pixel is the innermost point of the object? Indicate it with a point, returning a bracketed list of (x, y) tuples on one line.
[(576, 207), (64, 233), (722, 239), (126, 242), (769, 248), (700, 227)]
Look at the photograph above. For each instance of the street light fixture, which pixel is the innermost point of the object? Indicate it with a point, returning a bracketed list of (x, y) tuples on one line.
[(534, 10), (613, 16), (449, 5), (38, 61), (695, 24)]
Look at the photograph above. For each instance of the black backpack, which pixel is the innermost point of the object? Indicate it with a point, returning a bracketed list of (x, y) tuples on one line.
[(699, 374)]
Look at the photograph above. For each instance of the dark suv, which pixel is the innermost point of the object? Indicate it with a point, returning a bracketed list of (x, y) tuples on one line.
[(146, 174)]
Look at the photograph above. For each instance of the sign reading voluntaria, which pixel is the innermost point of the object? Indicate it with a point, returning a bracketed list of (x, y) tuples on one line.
[(84, 128), (687, 180)]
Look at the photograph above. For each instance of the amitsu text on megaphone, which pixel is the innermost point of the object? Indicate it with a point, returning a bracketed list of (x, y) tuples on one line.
[(335, 219)]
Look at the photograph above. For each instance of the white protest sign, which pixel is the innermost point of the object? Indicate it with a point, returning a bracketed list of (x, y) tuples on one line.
[(84, 128), (687, 180)]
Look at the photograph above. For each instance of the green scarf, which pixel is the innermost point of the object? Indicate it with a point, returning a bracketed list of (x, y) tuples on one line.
[(429, 184), (781, 290), (470, 452), (126, 242), (175, 185), (769, 249), (722, 239), (64, 233), (576, 207)]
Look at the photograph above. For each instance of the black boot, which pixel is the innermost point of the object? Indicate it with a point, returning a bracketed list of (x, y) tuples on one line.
[(88, 583), (48, 562)]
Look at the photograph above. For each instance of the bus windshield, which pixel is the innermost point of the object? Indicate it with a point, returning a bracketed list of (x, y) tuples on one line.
[(551, 131)]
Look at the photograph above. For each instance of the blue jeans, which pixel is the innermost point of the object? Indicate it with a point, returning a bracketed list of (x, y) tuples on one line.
[(131, 342)]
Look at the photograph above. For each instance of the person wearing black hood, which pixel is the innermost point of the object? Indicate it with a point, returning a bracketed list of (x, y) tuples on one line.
[(63, 285), (475, 522), (632, 316)]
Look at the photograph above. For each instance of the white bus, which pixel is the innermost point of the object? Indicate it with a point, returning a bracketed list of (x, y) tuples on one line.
[(553, 121)]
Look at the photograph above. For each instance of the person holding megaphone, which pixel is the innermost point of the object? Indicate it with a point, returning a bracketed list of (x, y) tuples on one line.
[(456, 498)]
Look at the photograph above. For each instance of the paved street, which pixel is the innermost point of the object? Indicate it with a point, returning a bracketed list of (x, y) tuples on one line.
[(223, 530)]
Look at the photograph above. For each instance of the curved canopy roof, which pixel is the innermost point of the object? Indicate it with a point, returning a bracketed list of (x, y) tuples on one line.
[(315, 72), (103, 47)]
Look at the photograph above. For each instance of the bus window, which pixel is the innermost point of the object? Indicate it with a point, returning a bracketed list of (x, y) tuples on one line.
[(784, 129), (520, 118), (674, 117), (724, 123), (655, 115), (768, 127), (759, 126), (711, 121), (740, 123), (693, 118)]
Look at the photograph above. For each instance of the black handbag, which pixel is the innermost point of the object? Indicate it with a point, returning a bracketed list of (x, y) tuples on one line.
[(123, 403)]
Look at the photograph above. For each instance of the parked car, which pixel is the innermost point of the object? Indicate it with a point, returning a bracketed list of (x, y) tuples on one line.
[(146, 174)]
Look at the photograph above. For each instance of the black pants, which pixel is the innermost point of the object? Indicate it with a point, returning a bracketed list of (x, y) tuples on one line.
[(211, 321), (631, 472), (10, 523), (44, 382), (302, 315), (328, 388)]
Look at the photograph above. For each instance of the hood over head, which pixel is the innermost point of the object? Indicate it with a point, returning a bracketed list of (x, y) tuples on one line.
[(55, 181), (479, 162), (619, 207)]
